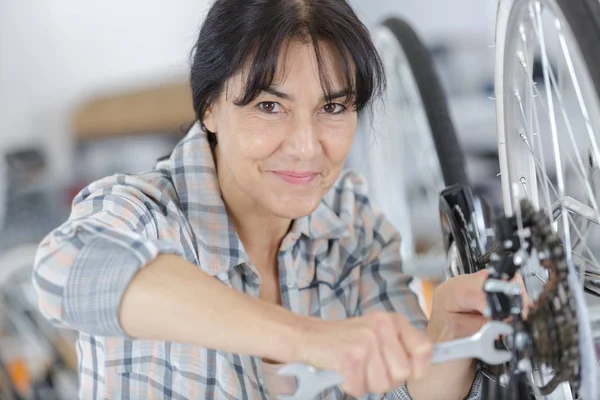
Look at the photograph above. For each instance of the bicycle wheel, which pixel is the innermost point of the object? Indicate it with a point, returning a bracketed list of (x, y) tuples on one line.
[(548, 124), (415, 152)]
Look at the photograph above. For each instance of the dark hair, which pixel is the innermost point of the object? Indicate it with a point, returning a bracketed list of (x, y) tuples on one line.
[(236, 33)]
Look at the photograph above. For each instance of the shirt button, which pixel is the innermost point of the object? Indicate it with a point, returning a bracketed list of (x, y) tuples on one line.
[(261, 381), (291, 284)]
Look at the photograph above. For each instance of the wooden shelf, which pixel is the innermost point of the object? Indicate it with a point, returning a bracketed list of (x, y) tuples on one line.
[(162, 109)]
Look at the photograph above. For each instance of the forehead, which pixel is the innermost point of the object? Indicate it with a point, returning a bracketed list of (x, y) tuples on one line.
[(298, 64), (301, 60)]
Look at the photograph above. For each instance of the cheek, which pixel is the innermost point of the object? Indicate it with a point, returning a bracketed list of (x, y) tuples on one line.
[(256, 143), (338, 142), (252, 139)]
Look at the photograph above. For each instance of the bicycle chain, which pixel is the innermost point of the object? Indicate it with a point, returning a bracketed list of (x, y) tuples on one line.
[(552, 320)]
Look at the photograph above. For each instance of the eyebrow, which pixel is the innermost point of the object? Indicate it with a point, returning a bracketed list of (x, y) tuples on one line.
[(335, 95)]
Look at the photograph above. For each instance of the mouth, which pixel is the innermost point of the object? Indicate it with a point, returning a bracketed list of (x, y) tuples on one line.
[(296, 178)]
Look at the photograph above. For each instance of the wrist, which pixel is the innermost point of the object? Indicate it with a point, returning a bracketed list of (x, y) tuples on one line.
[(308, 346), (291, 338), (459, 374), (458, 378)]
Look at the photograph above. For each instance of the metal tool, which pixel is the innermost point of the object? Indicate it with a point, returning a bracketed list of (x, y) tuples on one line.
[(482, 346), (309, 380)]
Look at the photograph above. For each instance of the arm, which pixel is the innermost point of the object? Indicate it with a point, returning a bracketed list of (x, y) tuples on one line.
[(189, 306), (106, 273)]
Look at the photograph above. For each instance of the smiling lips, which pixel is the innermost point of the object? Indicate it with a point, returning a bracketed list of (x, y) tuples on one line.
[(296, 178)]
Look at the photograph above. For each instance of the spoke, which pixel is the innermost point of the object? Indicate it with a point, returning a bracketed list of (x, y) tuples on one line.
[(537, 275), (579, 93), (541, 174), (432, 178), (520, 230), (551, 85), (583, 258), (524, 136), (586, 230), (536, 133), (584, 245), (549, 99), (553, 127), (582, 169), (583, 175)]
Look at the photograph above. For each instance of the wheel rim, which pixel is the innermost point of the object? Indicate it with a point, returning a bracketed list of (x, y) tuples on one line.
[(402, 132), (549, 132)]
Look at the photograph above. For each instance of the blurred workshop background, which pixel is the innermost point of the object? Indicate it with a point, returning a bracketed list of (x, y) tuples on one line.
[(88, 89)]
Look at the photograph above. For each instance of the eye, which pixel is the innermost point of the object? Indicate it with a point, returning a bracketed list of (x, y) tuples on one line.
[(269, 107), (334, 108)]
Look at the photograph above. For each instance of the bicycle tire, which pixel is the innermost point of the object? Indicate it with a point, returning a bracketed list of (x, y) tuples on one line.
[(583, 17), (448, 149)]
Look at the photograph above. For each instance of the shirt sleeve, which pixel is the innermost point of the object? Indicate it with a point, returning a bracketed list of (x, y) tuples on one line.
[(83, 268)]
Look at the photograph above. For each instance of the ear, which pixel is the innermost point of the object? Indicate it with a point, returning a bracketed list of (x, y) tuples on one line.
[(210, 119)]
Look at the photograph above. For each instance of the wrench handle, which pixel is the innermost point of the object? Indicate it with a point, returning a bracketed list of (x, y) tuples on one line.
[(454, 350)]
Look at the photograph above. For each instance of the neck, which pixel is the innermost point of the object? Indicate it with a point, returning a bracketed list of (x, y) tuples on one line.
[(258, 231)]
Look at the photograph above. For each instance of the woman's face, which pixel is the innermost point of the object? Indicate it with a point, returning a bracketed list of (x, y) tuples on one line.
[(283, 151)]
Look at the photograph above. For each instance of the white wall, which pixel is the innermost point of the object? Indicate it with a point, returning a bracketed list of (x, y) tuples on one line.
[(54, 53)]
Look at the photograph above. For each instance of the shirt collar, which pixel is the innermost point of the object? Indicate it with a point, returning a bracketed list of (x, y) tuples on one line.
[(323, 223), (219, 247)]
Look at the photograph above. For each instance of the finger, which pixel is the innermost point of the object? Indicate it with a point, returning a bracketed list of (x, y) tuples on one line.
[(354, 365), (417, 345), (378, 378), (395, 355), (474, 294)]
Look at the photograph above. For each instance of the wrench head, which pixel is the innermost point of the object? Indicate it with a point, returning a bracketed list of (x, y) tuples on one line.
[(487, 340), (310, 381)]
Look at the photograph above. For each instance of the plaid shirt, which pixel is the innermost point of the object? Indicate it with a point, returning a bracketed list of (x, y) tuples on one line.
[(341, 261)]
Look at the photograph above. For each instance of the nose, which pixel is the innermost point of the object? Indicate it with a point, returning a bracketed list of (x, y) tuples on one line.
[(302, 142)]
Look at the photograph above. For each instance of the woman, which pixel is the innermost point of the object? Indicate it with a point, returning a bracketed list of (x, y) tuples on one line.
[(248, 247)]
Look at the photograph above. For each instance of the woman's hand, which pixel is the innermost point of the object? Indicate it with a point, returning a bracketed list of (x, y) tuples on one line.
[(375, 353), (460, 305), (459, 310)]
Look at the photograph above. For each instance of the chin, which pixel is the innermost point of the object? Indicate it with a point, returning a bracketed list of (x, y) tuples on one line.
[(294, 208)]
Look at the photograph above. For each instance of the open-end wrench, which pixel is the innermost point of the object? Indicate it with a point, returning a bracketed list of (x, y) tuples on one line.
[(482, 345), (309, 380)]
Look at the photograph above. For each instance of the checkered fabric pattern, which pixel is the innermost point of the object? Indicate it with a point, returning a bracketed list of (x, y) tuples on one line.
[(341, 261)]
